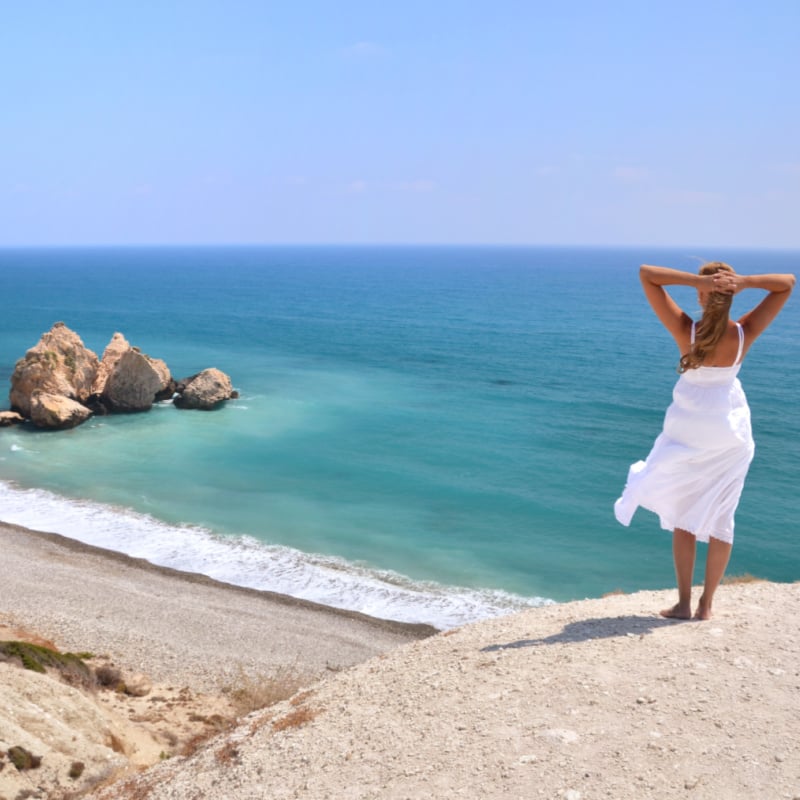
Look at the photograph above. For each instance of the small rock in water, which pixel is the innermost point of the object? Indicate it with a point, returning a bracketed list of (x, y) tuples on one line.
[(10, 418)]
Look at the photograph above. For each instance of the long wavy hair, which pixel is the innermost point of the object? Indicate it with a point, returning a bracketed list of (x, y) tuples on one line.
[(714, 323)]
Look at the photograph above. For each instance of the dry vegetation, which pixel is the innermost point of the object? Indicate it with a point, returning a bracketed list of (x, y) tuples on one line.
[(296, 718), (254, 692), (731, 580), (246, 693)]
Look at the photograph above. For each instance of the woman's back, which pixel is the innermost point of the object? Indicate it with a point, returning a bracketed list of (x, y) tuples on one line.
[(726, 352)]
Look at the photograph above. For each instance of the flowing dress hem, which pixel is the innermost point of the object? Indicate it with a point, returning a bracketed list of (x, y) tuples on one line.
[(624, 515)]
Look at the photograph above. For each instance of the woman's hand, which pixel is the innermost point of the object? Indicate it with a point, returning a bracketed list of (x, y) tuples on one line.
[(725, 282)]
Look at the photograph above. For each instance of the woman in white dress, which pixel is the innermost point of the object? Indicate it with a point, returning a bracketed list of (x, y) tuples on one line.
[(693, 476)]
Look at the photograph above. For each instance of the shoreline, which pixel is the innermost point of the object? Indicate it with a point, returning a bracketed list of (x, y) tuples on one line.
[(242, 559), (175, 626)]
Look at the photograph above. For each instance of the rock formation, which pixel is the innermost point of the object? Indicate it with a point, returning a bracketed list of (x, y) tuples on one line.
[(8, 418), (59, 383), (167, 385), (204, 391), (114, 350), (129, 380), (132, 384), (59, 364), (56, 411)]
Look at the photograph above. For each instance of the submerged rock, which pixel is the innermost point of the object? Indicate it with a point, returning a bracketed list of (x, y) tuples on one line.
[(8, 418), (59, 364), (204, 391)]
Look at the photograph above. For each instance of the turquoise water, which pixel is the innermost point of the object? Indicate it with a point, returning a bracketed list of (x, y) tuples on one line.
[(427, 434)]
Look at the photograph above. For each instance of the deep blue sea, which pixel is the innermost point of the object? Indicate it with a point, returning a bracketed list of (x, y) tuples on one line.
[(431, 434)]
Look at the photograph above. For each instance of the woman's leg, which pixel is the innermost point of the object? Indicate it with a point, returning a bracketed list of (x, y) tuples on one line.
[(717, 558), (684, 549)]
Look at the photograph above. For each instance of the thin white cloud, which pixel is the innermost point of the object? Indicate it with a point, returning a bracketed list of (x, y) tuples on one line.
[(546, 171), (789, 169), (413, 186), (217, 178), (692, 197), (630, 174), (418, 185), (364, 50)]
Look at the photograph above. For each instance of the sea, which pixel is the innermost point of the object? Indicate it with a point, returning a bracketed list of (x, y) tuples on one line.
[(423, 434)]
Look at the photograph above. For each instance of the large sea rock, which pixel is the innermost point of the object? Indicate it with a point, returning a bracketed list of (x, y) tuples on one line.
[(59, 364), (129, 380), (57, 412), (132, 385), (204, 391), (113, 352)]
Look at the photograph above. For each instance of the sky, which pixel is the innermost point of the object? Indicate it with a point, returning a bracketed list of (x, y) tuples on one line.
[(576, 122)]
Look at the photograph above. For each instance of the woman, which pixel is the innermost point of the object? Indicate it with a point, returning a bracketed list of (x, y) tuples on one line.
[(694, 474)]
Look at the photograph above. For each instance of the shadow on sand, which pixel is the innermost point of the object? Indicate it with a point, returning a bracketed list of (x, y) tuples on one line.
[(587, 629)]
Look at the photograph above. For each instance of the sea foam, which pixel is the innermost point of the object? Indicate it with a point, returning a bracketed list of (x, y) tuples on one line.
[(244, 561)]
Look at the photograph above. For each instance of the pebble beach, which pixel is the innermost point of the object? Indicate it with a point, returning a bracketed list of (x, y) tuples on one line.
[(600, 698)]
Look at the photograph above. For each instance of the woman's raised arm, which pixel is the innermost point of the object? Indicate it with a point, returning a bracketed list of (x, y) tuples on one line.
[(779, 286), (672, 316), (666, 276)]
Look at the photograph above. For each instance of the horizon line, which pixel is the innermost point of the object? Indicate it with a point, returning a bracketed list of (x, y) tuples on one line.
[(366, 245)]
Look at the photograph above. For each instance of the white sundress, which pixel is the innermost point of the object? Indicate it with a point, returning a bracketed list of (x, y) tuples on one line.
[(694, 475)]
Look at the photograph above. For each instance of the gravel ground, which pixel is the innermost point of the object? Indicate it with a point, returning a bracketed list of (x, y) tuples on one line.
[(592, 699), (586, 700), (175, 627)]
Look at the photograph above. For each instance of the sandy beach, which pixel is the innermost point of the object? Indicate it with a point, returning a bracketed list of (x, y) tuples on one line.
[(174, 626), (593, 699)]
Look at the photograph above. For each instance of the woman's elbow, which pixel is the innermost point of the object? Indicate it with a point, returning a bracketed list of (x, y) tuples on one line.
[(646, 273), (789, 280)]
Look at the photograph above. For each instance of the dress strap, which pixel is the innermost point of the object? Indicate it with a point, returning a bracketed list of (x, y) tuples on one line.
[(741, 343), (691, 341)]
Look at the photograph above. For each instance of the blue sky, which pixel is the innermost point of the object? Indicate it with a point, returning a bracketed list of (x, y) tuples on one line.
[(417, 122)]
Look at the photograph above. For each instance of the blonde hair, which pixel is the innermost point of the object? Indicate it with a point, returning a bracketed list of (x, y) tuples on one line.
[(714, 323)]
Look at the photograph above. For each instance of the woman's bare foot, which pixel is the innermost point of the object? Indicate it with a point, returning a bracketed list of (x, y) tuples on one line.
[(703, 610), (677, 612)]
